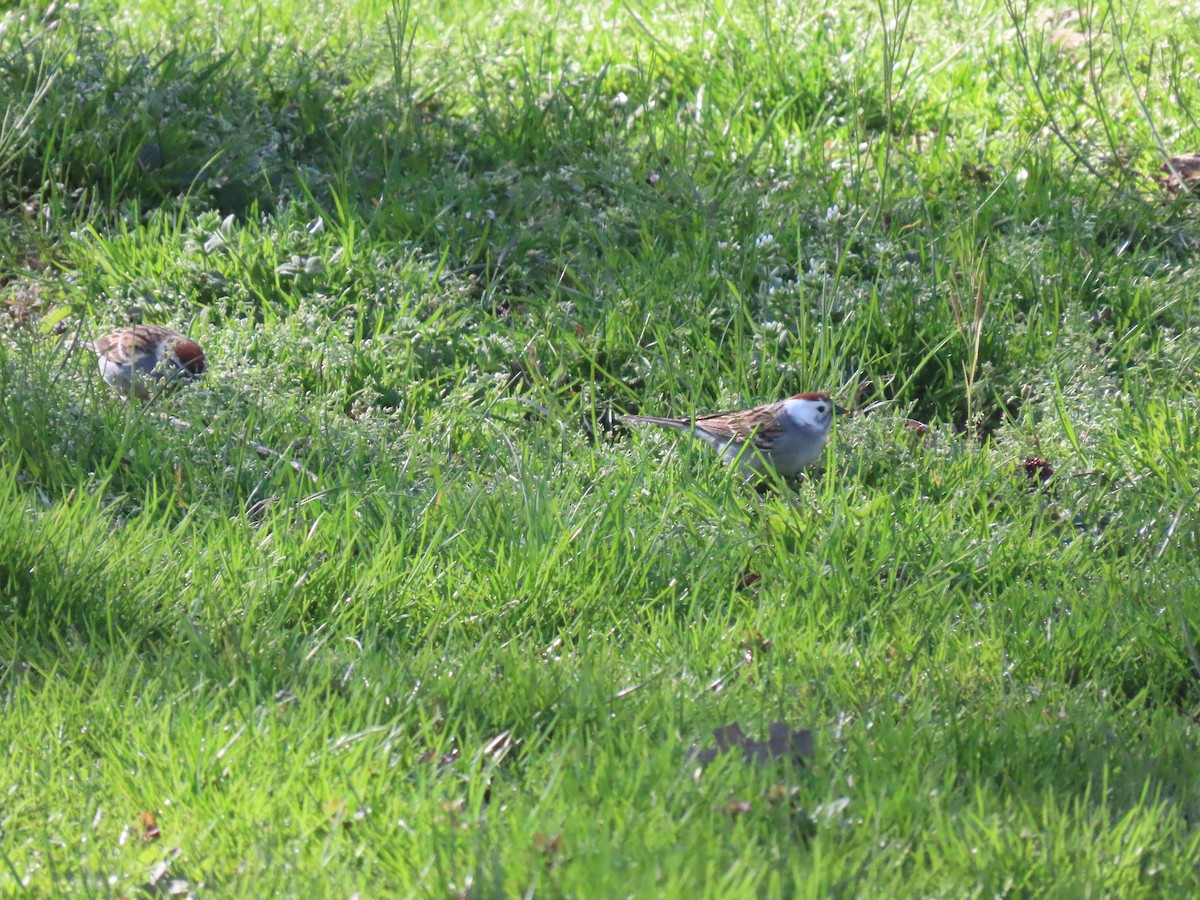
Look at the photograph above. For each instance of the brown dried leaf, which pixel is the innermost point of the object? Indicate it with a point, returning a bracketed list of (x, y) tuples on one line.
[(748, 578), (1181, 174), (1037, 468), (150, 829), (976, 174), (550, 846)]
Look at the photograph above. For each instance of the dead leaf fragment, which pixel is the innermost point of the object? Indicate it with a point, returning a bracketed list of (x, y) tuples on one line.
[(150, 829), (1037, 468), (980, 175), (748, 578), (547, 843), (735, 808), (1181, 174), (551, 847)]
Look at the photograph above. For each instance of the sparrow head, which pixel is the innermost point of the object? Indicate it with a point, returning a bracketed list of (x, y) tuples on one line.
[(188, 357), (811, 410)]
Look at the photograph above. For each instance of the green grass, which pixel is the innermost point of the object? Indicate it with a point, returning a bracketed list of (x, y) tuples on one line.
[(432, 254)]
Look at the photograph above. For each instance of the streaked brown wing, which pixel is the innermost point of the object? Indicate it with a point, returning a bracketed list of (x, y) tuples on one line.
[(104, 343), (737, 425)]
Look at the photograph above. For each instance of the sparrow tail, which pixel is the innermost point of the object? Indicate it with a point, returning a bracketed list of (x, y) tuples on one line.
[(659, 420)]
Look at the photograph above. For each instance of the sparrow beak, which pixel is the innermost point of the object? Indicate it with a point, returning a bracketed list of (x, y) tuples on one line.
[(841, 410)]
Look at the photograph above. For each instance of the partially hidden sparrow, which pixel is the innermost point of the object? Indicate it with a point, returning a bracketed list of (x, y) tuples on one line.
[(147, 359), (786, 436)]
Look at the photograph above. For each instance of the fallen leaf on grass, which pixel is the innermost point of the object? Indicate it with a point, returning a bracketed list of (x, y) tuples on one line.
[(547, 843), (748, 578), (976, 174), (1180, 173), (783, 742), (150, 829), (550, 846), (1036, 467)]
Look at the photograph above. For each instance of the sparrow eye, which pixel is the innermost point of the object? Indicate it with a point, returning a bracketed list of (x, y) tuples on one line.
[(821, 408)]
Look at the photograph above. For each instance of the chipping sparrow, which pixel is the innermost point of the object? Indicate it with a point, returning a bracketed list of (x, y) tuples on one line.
[(145, 357), (787, 435)]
